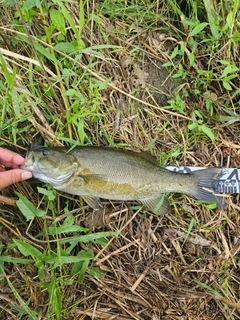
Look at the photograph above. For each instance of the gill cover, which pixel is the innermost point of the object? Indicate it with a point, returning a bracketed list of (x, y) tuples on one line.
[(49, 165)]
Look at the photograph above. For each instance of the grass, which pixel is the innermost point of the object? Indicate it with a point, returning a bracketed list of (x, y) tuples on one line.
[(161, 76)]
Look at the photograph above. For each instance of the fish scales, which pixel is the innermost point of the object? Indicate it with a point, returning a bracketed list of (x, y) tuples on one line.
[(117, 174), (127, 174)]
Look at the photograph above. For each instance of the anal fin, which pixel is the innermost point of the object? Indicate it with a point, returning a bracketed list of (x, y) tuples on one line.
[(158, 205)]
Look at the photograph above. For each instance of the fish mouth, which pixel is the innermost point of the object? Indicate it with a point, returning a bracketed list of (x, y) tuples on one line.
[(30, 162), (55, 179)]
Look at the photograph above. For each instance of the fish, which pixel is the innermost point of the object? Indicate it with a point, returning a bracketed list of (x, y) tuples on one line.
[(95, 173)]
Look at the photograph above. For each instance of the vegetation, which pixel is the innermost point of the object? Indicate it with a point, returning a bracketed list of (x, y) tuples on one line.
[(159, 76)]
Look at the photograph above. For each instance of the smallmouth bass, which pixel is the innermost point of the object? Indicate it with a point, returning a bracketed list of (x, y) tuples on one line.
[(116, 174)]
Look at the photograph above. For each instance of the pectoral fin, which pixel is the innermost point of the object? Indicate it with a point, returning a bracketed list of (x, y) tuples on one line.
[(93, 202), (158, 205)]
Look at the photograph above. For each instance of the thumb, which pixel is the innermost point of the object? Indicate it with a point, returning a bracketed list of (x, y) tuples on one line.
[(12, 176)]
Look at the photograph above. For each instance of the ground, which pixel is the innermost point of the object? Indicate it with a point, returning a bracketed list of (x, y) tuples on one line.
[(150, 76)]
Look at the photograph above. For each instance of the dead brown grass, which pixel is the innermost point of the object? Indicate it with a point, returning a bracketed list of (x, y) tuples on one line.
[(153, 270)]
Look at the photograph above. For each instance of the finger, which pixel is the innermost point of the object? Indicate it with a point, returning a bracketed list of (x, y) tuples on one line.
[(12, 176), (10, 159)]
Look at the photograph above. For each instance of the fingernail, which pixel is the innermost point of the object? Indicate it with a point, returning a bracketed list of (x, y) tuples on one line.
[(26, 175)]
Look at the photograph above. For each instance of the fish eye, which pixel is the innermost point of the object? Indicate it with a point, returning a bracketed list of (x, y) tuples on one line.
[(46, 152)]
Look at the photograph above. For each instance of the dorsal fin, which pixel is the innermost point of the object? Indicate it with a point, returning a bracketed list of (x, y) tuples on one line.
[(148, 156)]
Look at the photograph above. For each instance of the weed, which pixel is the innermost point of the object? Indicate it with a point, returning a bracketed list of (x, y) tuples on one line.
[(52, 259), (64, 81), (198, 39)]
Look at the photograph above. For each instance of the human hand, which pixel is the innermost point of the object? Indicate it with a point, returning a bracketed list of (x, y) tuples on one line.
[(10, 159)]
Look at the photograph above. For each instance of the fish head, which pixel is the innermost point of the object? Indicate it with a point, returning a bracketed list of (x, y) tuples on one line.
[(53, 166)]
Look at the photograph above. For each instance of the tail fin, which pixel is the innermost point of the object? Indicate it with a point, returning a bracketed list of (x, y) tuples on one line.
[(205, 190)]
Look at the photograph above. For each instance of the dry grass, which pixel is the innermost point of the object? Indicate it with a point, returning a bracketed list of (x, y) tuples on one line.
[(155, 267)]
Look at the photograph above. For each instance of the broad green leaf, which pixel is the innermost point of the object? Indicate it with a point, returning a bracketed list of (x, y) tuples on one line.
[(207, 131), (167, 64), (198, 29), (80, 258), (66, 228), (192, 58), (82, 265), (81, 130), (55, 296), (223, 62), (236, 37), (175, 52), (198, 114), (73, 259), (188, 23), (230, 77), (82, 272), (176, 75), (15, 260), (103, 84), (183, 46), (193, 126), (89, 237), (65, 47), (69, 221), (27, 249), (58, 21), (94, 272), (28, 209), (41, 268), (29, 4), (9, 77), (227, 85), (73, 93), (211, 205), (50, 194), (229, 69), (230, 19), (50, 257), (212, 17), (68, 18)]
